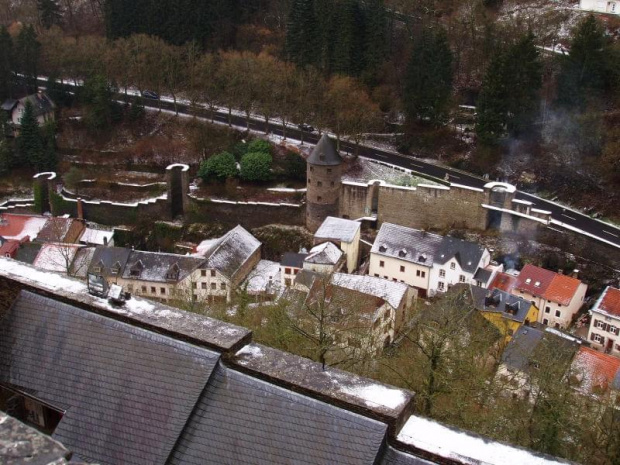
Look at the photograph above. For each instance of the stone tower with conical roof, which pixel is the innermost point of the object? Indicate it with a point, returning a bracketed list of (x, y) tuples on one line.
[(324, 172)]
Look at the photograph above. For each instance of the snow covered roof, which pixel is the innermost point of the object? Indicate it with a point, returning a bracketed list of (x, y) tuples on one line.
[(15, 226), (393, 293), (608, 302), (59, 229), (159, 267), (264, 278), (56, 257), (231, 252), (324, 254), (411, 245), (596, 371), (96, 236), (465, 447), (338, 229)]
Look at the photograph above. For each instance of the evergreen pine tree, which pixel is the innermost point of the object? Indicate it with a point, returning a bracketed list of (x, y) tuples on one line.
[(49, 12), (48, 134), (5, 157), (6, 64), (509, 98), (375, 25), (301, 33), (349, 38), (30, 142), (583, 72), (428, 84), (27, 52)]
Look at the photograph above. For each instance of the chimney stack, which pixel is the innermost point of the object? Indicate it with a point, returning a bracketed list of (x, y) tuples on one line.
[(575, 274), (80, 209)]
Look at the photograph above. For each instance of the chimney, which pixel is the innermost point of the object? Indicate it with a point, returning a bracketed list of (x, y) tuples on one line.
[(575, 274), (105, 241), (80, 209)]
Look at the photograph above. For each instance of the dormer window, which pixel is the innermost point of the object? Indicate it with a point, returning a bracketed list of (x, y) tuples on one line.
[(528, 281), (422, 258), (116, 269), (322, 157), (382, 248), (98, 268), (537, 284), (402, 253), (173, 273), (136, 270)]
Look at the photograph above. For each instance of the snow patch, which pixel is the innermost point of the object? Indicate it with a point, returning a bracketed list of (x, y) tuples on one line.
[(253, 351), (375, 395)]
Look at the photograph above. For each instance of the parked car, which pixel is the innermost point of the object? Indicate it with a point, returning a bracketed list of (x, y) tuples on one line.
[(150, 95), (305, 127)]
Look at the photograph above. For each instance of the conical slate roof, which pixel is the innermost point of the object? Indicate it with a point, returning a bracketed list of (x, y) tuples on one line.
[(325, 153)]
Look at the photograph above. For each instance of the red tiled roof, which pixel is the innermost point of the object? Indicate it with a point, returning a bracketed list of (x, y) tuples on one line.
[(562, 289), (534, 280), (9, 249), (504, 282), (14, 226), (598, 369), (610, 302), (547, 284)]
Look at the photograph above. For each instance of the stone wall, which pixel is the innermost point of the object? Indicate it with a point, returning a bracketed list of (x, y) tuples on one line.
[(353, 201), (248, 214)]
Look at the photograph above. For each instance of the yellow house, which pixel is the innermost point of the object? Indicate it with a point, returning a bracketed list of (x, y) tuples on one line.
[(505, 311)]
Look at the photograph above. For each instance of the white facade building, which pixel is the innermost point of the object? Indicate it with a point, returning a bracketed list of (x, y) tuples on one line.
[(601, 6), (343, 233), (604, 331)]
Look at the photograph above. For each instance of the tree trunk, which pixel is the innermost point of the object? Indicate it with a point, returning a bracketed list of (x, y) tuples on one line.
[(212, 114), (176, 109), (284, 130), (266, 124), (247, 121), (229, 117)]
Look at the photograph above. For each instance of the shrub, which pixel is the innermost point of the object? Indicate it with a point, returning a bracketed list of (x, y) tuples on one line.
[(239, 150), (220, 167), (256, 166), (260, 145), (295, 166)]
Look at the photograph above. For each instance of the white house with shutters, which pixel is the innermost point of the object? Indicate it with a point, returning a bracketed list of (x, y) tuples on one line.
[(601, 6), (604, 331)]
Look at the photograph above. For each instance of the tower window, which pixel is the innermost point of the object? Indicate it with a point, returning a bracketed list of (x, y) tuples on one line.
[(332, 184), (329, 171), (319, 183), (312, 168), (319, 198)]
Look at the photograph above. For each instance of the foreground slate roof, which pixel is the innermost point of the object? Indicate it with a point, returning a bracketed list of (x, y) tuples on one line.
[(273, 425), (127, 392), (146, 384)]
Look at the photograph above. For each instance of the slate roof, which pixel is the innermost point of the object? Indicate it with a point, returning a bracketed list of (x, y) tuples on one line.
[(106, 258), (28, 252), (396, 457), (467, 254), (411, 245), (306, 278), (324, 254), (547, 284), (92, 236), (240, 419), (294, 260), (41, 103), (232, 251), (521, 347), (127, 392), (155, 266), (338, 229), (391, 292), (510, 306), (9, 104), (483, 275), (609, 302), (325, 153)]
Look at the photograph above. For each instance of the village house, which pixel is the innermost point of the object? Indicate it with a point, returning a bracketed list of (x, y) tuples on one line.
[(290, 266), (56, 257), (594, 373), (61, 229), (95, 237), (214, 272), (505, 311), (344, 234), (17, 226), (41, 104), (604, 331), (559, 297), (601, 6), (325, 258), (428, 262)]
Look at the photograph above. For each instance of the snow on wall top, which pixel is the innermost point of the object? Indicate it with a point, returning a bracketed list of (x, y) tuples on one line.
[(464, 447)]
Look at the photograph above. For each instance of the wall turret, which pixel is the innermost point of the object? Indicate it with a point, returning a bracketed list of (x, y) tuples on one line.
[(323, 180)]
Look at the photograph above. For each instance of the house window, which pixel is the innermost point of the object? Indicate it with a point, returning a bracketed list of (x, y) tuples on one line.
[(297, 271), (453, 266), (441, 286), (599, 324), (287, 270), (319, 198), (194, 285), (213, 273), (424, 274), (547, 309), (329, 171), (598, 338), (311, 168), (558, 313), (332, 184), (213, 286), (144, 289), (309, 181), (223, 286), (162, 290), (203, 285), (545, 322), (402, 269), (462, 278), (479, 283), (613, 330), (287, 281), (617, 346), (319, 184), (129, 287), (153, 290), (376, 275), (381, 264), (417, 273), (442, 273), (203, 273)]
